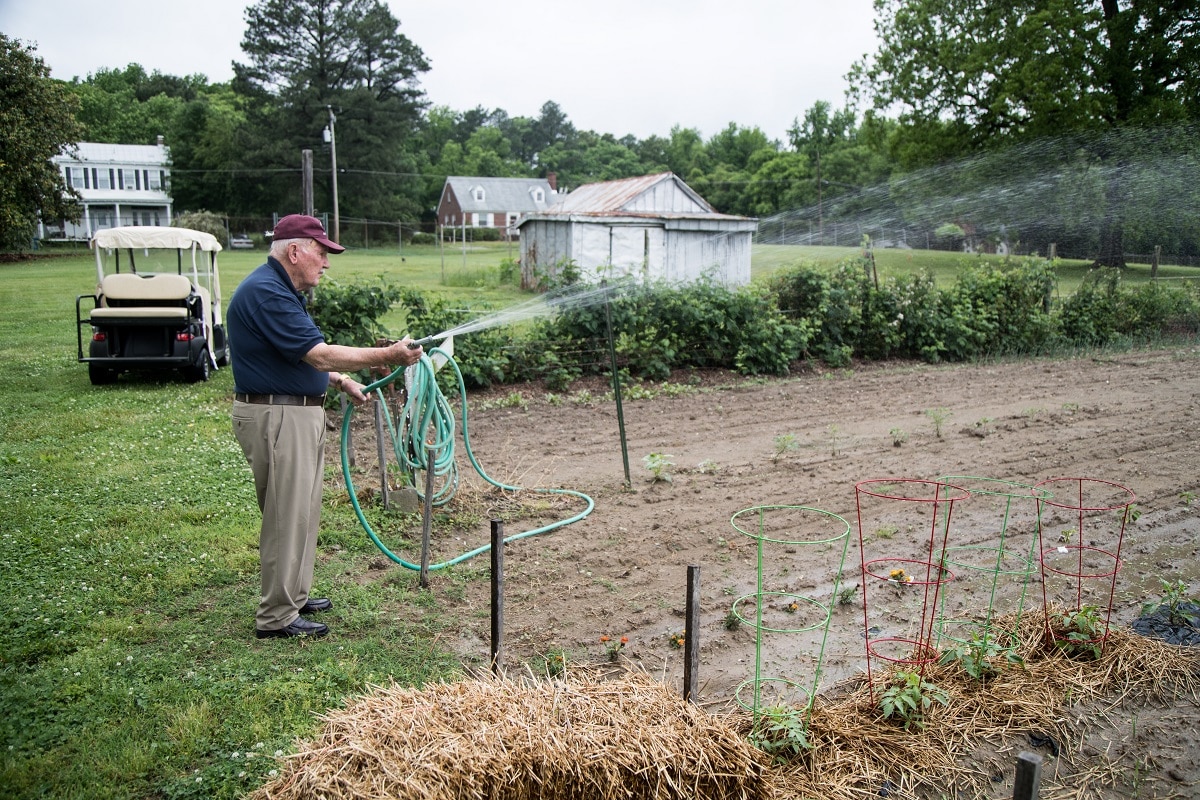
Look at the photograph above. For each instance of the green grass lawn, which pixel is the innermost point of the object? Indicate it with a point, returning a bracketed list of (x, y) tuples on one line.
[(128, 663)]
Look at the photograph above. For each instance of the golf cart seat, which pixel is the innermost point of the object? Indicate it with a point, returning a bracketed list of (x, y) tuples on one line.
[(130, 296)]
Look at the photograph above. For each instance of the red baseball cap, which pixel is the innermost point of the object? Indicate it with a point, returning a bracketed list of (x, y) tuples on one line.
[(302, 226)]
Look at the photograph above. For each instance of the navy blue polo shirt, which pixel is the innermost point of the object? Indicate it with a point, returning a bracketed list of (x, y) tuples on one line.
[(270, 332)]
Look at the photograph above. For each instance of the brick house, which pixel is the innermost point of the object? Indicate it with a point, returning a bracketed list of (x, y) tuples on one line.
[(492, 202)]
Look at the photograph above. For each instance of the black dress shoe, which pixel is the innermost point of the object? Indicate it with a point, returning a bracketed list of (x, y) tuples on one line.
[(301, 627), (316, 605)]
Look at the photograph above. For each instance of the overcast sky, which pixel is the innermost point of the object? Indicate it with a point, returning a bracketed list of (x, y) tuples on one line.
[(621, 67)]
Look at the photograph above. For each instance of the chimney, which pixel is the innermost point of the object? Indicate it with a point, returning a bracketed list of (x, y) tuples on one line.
[(552, 179), (161, 140)]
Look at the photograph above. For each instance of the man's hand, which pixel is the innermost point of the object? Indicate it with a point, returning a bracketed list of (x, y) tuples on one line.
[(403, 352)]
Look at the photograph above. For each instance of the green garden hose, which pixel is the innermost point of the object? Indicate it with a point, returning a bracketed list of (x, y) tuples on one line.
[(427, 410)]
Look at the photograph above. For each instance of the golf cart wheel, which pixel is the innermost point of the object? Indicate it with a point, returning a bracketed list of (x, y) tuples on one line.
[(200, 370), (101, 376)]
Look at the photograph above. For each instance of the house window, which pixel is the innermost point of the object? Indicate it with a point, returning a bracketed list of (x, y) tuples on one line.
[(130, 180), (102, 178), (539, 196), (478, 193), (153, 179), (75, 177), (482, 220)]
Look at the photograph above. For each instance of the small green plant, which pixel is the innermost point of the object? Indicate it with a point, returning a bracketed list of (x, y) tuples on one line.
[(511, 400), (886, 531), (1080, 633), (676, 639), (708, 467), (732, 621), (846, 595), (785, 443), (555, 662), (835, 440), (1180, 609), (659, 465), (899, 437), (780, 732), (982, 656), (1132, 513), (910, 698), (1187, 497), (938, 416), (613, 647)]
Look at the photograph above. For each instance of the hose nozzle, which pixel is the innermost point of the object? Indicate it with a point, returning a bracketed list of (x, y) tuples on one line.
[(428, 340)]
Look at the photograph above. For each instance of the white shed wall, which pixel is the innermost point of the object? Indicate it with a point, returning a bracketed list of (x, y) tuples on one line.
[(652, 252)]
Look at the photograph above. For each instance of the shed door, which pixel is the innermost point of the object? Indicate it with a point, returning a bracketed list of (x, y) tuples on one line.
[(638, 251)]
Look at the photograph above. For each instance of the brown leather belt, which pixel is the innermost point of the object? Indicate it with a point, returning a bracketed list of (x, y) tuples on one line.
[(281, 399)]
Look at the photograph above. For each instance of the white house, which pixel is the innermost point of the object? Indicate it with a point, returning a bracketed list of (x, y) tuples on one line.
[(118, 184), (492, 202), (653, 227)]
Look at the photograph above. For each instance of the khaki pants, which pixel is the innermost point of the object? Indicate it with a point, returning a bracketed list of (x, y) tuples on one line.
[(285, 447)]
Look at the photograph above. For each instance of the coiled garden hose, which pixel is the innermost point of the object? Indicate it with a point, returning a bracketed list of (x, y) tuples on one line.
[(427, 410)]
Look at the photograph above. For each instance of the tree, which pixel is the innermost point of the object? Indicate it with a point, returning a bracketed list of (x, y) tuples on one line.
[(990, 74), (310, 58), (37, 122)]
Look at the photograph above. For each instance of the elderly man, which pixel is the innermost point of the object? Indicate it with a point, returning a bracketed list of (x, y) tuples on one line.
[(282, 368)]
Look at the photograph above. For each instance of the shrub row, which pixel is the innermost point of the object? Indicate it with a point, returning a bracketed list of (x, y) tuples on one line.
[(801, 313)]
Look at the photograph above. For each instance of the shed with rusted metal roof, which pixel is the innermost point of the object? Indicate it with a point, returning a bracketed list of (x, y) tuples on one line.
[(653, 227)]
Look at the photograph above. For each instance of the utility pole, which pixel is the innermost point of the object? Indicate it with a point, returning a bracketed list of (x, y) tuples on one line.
[(331, 138), (306, 182)]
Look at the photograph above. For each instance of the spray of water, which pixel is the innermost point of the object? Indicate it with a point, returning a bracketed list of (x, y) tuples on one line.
[(1060, 190), (535, 307)]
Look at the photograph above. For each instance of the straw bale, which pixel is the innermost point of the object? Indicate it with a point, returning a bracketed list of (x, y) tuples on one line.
[(580, 737)]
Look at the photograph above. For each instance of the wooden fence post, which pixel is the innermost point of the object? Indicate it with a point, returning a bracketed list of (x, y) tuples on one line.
[(1029, 776), (379, 437), (497, 594), (691, 638)]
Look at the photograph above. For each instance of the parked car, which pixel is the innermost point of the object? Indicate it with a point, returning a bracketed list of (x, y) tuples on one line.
[(161, 309)]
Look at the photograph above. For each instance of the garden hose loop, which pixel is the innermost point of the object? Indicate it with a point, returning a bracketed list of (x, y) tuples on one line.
[(426, 437)]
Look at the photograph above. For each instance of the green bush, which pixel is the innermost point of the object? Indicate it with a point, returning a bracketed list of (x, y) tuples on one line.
[(482, 356), (1102, 311), (661, 327), (349, 314), (424, 238), (762, 330), (205, 221)]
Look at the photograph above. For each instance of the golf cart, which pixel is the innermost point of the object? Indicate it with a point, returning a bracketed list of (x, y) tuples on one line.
[(153, 312)]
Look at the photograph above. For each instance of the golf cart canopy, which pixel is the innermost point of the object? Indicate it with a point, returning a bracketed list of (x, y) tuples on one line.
[(142, 236)]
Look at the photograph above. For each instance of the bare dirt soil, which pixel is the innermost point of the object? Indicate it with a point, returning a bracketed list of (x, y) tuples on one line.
[(1120, 430)]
